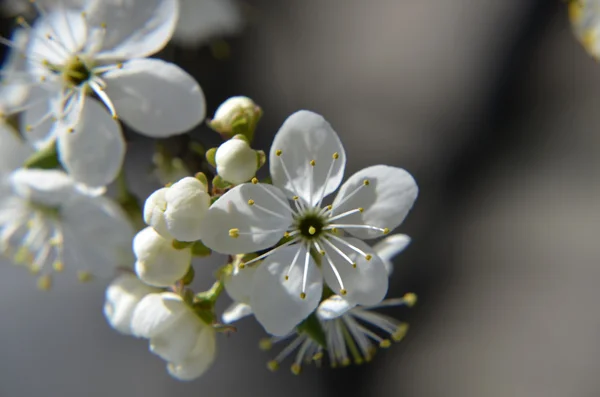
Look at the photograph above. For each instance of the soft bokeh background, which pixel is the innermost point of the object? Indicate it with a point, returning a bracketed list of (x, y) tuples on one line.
[(494, 108)]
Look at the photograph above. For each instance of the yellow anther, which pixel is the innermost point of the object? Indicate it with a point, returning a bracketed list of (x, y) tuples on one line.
[(346, 362), (322, 252), (28, 128), (83, 14), (358, 361), (250, 202), (242, 265), (234, 233), (120, 65), (42, 78), (313, 163), (385, 230), (410, 298), (115, 117), (49, 36), (361, 209), (312, 230), (354, 265), (366, 182), (400, 332), (368, 257), (34, 270), (286, 278), (278, 152), (385, 343), (70, 130), (20, 20), (296, 369), (84, 277), (254, 181), (103, 25), (330, 207), (336, 156), (265, 344), (318, 356), (343, 292), (296, 198), (286, 234), (44, 282), (58, 266), (334, 230), (302, 295), (273, 365)]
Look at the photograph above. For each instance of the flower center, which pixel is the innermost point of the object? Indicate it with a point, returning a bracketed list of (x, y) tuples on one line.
[(310, 226), (76, 72)]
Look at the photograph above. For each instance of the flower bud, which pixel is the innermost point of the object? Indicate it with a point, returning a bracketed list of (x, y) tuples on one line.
[(237, 115), (236, 161), (158, 263), (121, 298), (177, 212)]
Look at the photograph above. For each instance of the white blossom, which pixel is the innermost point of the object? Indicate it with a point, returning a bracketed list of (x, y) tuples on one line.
[(47, 221), (177, 212), (236, 161), (234, 112), (121, 299), (176, 334), (201, 20), (238, 285), (347, 334), (307, 163), (158, 263), (102, 50)]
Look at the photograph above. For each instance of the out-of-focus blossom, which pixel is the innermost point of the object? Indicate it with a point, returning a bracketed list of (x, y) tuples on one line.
[(237, 115), (176, 334), (103, 51), (201, 20), (585, 19), (307, 163)]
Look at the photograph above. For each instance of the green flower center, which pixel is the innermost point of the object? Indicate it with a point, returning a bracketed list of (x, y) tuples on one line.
[(76, 72), (310, 226)]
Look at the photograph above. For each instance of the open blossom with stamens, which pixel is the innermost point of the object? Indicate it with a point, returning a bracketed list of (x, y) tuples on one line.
[(91, 69), (48, 222), (307, 162), (351, 334)]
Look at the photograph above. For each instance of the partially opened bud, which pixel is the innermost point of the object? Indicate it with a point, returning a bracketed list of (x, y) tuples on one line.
[(177, 212), (158, 263), (236, 161), (237, 115), (122, 296)]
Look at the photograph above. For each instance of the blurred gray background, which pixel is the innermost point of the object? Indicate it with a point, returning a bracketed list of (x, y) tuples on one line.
[(494, 108)]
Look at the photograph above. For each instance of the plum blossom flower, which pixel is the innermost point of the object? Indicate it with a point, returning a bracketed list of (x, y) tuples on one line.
[(585, 19), (350, 334), (307, 163), (92, 68), (176, 334), (121, 299), (49, 222), (202, 20)]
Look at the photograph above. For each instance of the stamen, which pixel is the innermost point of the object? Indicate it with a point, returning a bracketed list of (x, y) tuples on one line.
[(234, 233), (334, 157), (349, 196), (344, 226), (311, 182), (103, 97), (364, 344), (347, 213), (278, 153), (288, 349), (268, 211), (306, 261), (270, 252), (276, 197), (337, 274), (340, 252), (287, 275), (297, 367), (42, 120), (347, 244)]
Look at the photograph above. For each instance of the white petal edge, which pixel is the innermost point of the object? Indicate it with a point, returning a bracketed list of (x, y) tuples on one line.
[(389, 247), (235, 312)]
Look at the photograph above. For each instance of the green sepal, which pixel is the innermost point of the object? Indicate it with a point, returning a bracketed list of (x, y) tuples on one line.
[(46, 158), (312, 327), (202, 178), (180, 245), (189, 276), (220, 183), (210, 156), (213, 199), (261, 159), (199, 249), (197, 148)]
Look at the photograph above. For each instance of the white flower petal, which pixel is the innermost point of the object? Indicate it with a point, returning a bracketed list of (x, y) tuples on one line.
[(13, 150), (236, 161), (93, 152), (99, 244), (276, 302), (156, 313), (303, 137), (201, 20), (238, 284), (257, 228), (187, 204), (389, 247), (333, 307), (386, 200), (176, 341), (134, 28), (235, 312), (121, 298), (158, 263), (37, 124), (154, 212), (367, 284), (46, 187), (156, 98), (15, 85), (201, 358), (68, 32)]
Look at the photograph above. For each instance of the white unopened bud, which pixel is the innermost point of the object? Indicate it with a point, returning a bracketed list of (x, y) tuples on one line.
[(237, 115), (121, 298), (177, 212), (236, 161), (158, 263)]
